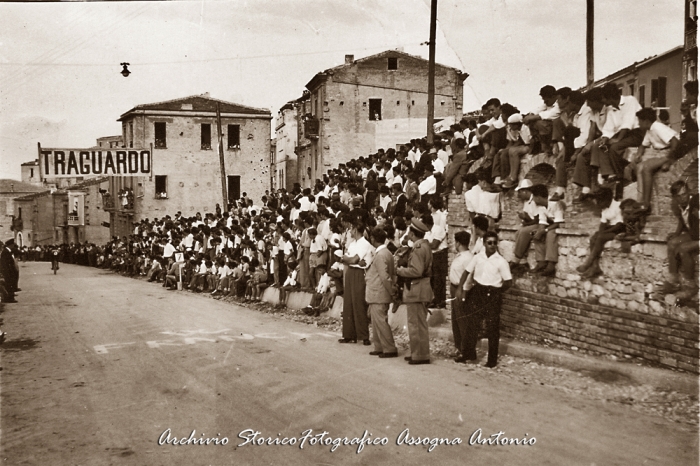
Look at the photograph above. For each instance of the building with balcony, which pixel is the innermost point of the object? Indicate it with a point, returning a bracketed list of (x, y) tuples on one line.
[(657, 82), (9, 190), (58, 216), (380, 101), (186, 173)]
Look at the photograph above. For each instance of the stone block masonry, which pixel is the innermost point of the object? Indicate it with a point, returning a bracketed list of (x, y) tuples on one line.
[(615, 314)]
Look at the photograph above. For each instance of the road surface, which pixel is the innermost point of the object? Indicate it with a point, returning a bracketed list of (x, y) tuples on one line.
[(99, 369)]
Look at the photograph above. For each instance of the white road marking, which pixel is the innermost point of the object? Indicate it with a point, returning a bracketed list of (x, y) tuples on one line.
[(159, 343), (104, 349)]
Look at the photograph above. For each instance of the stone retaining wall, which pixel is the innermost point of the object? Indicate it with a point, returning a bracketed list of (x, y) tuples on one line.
[(612, 314)]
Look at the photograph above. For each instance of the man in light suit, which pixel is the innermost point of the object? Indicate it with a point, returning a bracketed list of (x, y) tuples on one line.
[(379, 290), (417, 292)]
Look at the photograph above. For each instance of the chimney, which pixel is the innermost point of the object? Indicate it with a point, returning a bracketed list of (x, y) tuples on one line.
[(12, 187), (349, 59)]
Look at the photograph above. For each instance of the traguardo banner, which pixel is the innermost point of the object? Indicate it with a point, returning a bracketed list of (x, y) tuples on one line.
[(65, 163)]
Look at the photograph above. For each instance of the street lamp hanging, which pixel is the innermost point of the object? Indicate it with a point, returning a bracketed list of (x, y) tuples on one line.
[(125, 70)]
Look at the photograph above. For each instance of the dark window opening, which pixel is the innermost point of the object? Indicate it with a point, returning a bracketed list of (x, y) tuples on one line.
[(31, 173), (393, 63), (161, 187), (234, 187), (131, 134), (662, 92), (206, 136), (234, 136), (375, 109), (160, 142), (632, 89), (642, 96)]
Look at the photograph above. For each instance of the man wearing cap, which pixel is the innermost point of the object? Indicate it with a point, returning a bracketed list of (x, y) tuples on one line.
[(9, 272), (379, 292), (417, 292), (520, 144)]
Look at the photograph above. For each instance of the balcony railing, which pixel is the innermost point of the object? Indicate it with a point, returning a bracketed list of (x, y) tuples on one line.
[(311, 128), (17, 224)]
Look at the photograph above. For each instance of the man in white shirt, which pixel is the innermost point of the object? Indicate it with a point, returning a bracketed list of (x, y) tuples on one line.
[(457, 269), (549, 216), (519, 144), (427, 186), (659, 137), (584, 171), (541, 121), (611, 223), (358, 257), (577, 130), (487, 277), (620, 131), (437, 237)]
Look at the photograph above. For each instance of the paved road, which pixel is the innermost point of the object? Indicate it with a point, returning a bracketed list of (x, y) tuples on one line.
[(97, 366)]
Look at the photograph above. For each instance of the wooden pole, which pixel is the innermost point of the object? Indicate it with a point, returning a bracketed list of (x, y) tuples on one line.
[(431, 70), (589, 43), (224, 196)]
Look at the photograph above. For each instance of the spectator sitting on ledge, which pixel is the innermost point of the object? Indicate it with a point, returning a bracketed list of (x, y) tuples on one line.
[(611, 224), (682, 244)]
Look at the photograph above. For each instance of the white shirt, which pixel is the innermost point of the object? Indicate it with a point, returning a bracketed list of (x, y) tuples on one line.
[(515, 135), (621, 118), (291, 279), (438, 166), (362, 249), (459, 265), (496, 123), (659, 136), (530, 208), (548, 113), (440, 218), (583, 121), (384, 202), (554, 213), (443, 156), (224, 271), (318, 245), (471, 198), (168, 250), (612, 215), (438, 232), (305, 204), (427, 186), (489, 271)]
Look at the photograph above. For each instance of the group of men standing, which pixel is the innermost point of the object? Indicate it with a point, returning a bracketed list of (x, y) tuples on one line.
[(377, 280)]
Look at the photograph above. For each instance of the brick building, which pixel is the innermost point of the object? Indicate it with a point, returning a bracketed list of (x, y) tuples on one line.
[(363, 105), (186, 172)]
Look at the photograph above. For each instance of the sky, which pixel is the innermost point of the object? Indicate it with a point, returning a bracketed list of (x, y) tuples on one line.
[(60, 81)]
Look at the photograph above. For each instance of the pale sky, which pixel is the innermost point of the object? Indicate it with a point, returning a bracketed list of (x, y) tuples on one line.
[(60, 81)]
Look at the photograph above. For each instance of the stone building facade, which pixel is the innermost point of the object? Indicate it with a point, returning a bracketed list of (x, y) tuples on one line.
[(374, 102), (186, 173)]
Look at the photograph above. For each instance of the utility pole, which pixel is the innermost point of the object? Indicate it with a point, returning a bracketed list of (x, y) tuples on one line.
[(431, 69), (589, 44), (224, 206)]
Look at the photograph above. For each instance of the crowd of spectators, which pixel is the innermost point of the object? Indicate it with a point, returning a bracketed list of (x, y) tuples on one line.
[(314, 238)]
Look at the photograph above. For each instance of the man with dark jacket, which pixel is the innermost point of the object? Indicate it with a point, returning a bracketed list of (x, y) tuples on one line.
[(9, 272), (683, 243)]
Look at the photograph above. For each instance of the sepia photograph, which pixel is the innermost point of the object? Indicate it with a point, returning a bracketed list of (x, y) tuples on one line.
[(219, 218)]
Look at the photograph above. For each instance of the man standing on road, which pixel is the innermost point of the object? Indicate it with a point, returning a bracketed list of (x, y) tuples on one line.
[(488, 277), (359, 254), (9, 272), (379, 292), (417, 292)]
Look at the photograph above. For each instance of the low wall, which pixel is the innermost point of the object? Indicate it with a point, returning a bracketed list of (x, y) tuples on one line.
[(616, 313)]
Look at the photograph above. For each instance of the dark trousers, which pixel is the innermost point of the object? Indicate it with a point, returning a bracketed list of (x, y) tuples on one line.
[(438, 279), (355, 325), (459, 322), (483, 303)]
